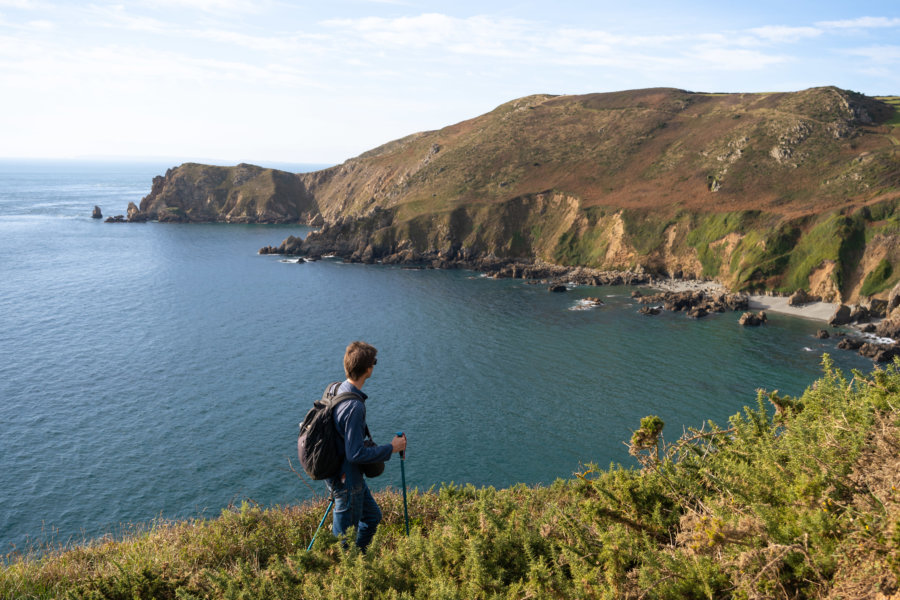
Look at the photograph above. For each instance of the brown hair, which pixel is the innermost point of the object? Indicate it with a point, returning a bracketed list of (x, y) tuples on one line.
[(358, 358)]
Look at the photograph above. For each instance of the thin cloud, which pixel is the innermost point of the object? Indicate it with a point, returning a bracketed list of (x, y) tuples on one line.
[(882, 55), (783, 34), (117, 17), (21, 4), (212, 6), (534, 43), (862, 23)]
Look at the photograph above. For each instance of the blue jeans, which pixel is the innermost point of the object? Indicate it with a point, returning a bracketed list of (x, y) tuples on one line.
[(355, 507)]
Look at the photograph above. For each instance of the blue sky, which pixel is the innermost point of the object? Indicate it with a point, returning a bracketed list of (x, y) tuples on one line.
[(320, 82)]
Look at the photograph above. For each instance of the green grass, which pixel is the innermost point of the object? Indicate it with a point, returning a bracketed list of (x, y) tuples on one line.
[(788, 504), (644, 229), (895, 102), (714, 228), (763, 255), (879, 279), (588, 249), (837, 238)]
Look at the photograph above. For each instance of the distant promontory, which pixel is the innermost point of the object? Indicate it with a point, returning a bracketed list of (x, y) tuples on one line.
[(776, 191)]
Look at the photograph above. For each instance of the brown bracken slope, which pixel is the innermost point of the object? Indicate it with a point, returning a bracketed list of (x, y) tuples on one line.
[(792, 153)]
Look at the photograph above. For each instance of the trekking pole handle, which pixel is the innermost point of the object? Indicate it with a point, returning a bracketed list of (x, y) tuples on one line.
[(402, 452)]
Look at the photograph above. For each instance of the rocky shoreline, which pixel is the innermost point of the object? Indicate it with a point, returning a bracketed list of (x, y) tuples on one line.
[(878, 321)]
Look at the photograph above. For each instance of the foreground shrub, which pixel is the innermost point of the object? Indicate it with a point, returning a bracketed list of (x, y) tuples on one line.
[(795, 498)]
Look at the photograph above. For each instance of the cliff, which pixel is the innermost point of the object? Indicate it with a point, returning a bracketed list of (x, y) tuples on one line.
[(779, 191), (241, 194)]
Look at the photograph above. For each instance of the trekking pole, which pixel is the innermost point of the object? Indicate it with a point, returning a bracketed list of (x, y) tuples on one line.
[(322, 522), (403, 478)]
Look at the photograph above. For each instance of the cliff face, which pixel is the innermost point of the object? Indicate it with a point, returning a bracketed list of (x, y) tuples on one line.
[(241, 194), (784, 191)]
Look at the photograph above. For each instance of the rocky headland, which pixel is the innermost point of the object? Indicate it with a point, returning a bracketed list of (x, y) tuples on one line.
[(194, 193), (760, 192), (780, 193)]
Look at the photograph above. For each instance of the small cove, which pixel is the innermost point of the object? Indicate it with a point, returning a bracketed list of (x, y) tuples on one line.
[(152, 370)]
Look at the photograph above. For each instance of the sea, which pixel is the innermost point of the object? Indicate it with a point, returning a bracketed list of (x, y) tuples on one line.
[(151, 372)]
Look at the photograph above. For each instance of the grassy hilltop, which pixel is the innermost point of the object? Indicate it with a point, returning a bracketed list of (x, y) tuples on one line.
[(802, 503), (780, 191)]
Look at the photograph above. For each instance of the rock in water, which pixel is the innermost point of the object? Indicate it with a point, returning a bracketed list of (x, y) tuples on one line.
[(749, 319), (96, 214), (850, 343), (135, 215), (879, 352), (697, 312), (557, 288), (889, 328)]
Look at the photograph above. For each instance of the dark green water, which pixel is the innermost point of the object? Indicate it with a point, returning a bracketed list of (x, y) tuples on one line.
[(154, 370)]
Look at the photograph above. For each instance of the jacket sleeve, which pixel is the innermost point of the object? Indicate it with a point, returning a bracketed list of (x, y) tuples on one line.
[(355, 435)]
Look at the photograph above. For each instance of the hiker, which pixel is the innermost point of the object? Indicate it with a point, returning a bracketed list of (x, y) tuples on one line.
[(354, 505)]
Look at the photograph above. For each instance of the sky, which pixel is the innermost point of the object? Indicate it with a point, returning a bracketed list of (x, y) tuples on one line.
[(230, 81)]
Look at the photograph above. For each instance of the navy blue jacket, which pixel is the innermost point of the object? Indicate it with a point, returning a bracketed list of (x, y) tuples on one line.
[(350, 422)]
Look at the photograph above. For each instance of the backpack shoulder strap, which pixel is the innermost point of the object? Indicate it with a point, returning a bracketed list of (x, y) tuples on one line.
[(330, 390), (330, 398)]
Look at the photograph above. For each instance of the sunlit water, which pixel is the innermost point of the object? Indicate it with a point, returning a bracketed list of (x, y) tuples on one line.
[(159, 371)]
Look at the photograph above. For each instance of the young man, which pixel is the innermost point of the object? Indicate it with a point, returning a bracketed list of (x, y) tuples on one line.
[(354, 505)]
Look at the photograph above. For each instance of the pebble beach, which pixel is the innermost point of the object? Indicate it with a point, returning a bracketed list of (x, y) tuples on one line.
[(817, 311)]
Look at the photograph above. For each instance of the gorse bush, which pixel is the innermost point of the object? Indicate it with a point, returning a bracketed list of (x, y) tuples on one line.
[(794, 498)]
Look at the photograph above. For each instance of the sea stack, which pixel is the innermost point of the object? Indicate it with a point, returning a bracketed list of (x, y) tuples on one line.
[(96, 214)]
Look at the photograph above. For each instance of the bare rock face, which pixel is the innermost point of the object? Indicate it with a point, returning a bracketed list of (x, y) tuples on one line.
[(877, 308), (193, 193), (697, 303), (135, 215), (697, 312), (879, 352), (850, 343), (841, 316), (889, 328), (860, 314), (893, 299), (96, 214), (291, 246), (801, 297), (749, 319)]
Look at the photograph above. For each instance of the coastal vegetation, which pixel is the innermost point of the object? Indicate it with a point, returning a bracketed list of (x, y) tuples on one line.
[(776, 191), (794, 497)]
